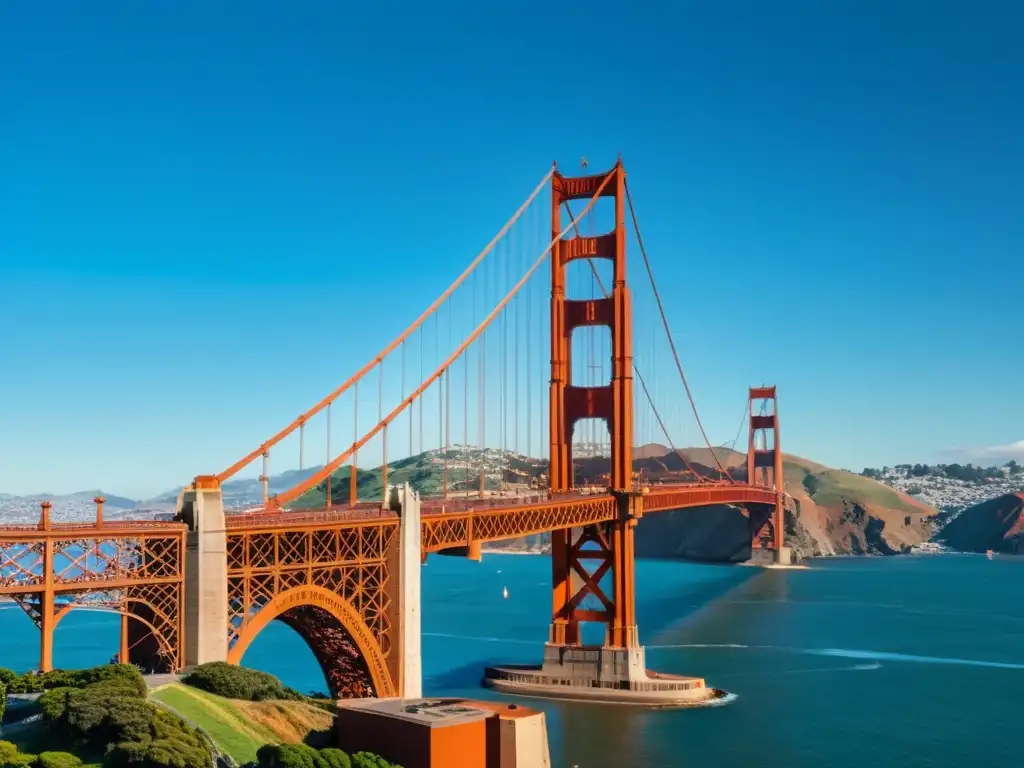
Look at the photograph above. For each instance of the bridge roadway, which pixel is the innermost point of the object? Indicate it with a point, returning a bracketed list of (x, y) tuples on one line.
[(446, 524), (463, 522)]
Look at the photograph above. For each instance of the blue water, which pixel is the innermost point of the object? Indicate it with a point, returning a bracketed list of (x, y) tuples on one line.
[(909, 661)]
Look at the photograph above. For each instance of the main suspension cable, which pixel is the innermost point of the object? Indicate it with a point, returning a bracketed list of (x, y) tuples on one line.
[(265, 447), (668, 332), (292, 493), (647, 394)]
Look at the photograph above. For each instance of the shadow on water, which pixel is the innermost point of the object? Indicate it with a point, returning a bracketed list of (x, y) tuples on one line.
[(464, 677), (685, 598)]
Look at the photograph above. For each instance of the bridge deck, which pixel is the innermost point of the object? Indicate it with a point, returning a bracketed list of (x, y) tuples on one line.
[(458, 522)]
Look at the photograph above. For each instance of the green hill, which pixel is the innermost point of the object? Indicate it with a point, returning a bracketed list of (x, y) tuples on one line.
[(239, 728)]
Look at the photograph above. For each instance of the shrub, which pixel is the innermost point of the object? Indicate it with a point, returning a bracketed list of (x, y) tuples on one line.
[(288, 756), (3, 699), (114, 676), (158, 753), (54, 703), (370, 760), (58, 760), (233, 682), (10, 757), (31, 682), (335, 758)]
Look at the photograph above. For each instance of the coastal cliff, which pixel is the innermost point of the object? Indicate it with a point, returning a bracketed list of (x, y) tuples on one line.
[(996, 524)]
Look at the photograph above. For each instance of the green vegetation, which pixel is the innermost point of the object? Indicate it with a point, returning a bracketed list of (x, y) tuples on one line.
[(258, 721), (10, 757), (240, 727), (229, 732), (3, 699), (303, 756), (233, 682), (58, 760), (424, 472), (101, 716), (60, 678), (830, 487), (968, 473)]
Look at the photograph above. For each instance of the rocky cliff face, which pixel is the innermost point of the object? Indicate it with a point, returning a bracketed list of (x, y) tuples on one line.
[(837, 513), (996, 524)]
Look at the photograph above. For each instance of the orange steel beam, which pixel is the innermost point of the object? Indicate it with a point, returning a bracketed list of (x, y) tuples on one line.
[(312, 481), (298, 422)]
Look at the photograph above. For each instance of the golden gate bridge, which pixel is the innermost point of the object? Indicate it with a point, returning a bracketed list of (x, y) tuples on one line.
[(498, 378)]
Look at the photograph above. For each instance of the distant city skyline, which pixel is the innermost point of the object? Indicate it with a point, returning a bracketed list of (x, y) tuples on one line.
[(212, 218)]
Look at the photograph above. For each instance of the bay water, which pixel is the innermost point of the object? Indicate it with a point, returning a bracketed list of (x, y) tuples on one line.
[(902, 661)]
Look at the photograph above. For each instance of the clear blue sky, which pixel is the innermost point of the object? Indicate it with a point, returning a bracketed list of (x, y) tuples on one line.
[(204, 205)]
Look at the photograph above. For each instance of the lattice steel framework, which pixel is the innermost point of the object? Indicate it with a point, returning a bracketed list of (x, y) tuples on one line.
[(334, 584), (444, 531), (136, 569)]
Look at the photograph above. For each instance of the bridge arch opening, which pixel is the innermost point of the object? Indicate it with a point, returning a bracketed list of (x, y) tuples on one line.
[(350, 659), (591, 453)]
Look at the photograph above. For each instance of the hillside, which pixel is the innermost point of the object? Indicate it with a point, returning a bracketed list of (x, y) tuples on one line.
[(996, 524), (837, 512), (238, 727), (425, 473), (843, 513)]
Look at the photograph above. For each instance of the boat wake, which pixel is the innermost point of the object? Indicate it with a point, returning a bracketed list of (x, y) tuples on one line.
[(879, 656), (477, 639), (875, 657)]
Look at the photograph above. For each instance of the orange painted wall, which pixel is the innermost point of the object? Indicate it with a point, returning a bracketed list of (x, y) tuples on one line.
[(459, 746), (413, 745)]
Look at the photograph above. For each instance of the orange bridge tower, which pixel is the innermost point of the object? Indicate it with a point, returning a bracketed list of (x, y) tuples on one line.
[(584, 560)]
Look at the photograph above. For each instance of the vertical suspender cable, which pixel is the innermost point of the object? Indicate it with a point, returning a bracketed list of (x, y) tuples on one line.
[(353, 484), (328, 484)]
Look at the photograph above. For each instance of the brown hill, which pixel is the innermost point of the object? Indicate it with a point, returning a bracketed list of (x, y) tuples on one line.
[(996, 524), (837, 512)]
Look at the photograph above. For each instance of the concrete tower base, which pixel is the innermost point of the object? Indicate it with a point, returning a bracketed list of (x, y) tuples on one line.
[(597, 673)]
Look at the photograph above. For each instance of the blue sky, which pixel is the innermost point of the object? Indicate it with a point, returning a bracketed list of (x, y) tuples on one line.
[(210, 214)]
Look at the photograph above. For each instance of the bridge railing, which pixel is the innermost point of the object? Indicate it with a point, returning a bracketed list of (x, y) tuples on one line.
[(107, 527)]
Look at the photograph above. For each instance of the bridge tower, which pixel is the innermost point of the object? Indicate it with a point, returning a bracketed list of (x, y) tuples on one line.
[(581, 558), (764, 468)]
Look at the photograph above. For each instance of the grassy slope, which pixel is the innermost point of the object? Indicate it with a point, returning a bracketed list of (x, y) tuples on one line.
[(239, 728), (828, 487)]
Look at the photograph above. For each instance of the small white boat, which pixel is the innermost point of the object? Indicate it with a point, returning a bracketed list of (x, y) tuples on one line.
[(505, 593)]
